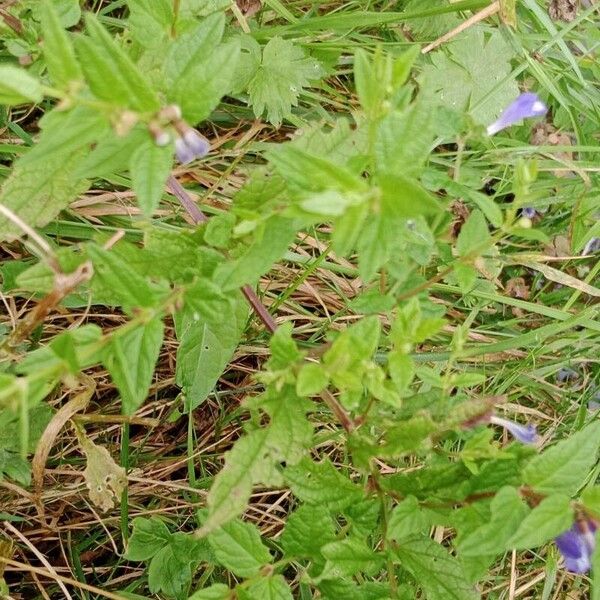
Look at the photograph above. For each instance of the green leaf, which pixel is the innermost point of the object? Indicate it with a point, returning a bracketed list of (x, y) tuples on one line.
[(437, 572), (270, 588), (150, 21), (37, 192), (322, 484), (259, 256), (407, 519), (474, 76), (150, 166), (474, 235), (68, 12), (65, 132), (596, 574), (508, 511), (238, 547), (217, 591), (59, 54), (284, 350), (192, 47), (349, 557), (256, 457), (402, 370), (206, 347), (172, 566), (168, 574), (564, 467), (110, 73), (370, 85), (551, 517), (113, 272), (404, 140), (590, 498), (311, 172), (130, 360), (15, 467), (306, 530), (111, 154), (403, 197), (199, 71), (312, 379), (284, 71), (17, 86), (147, 538)]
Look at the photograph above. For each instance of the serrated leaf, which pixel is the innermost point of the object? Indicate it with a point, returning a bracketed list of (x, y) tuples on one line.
[(15, 466), (168, 574), (147, 538), (508, 511), (551, 517), (565, 466), (68, 12), (311, 380), (217, 591), (110, 73), (111, 154), (256, 456), (238, 547), (130, 359), (404, 140), (348, 557), (114, 273), (150, 166), (407, 519), (199, 70), (150, 21), (306, 530), (17, 86), (59, 53), (64, 132), (284, 71), (321, 484), (206, 347), (193, 48), (474, 235), (284, 350), (258, 258), (474, 76), (270, 588), (37, 192), (438, 573)]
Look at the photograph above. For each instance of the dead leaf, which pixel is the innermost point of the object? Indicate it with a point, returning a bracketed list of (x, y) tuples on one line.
[(518, 288), (249, 7), (105, 479), (562, 10), (544, 134), (461, 213)]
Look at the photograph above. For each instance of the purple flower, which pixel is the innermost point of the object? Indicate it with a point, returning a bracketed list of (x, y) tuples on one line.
[(525, 106), (566, 374), (191, 145), (528, 212), (577, 546), (591, 247), (526, 434)]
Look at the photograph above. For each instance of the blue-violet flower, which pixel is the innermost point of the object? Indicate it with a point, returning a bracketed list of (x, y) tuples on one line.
[(525, 106), (577, 546), (526, 434)]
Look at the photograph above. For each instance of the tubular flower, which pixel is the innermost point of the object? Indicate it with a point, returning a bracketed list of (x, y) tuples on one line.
[(526, 434), (525, 106), (577, 546)]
